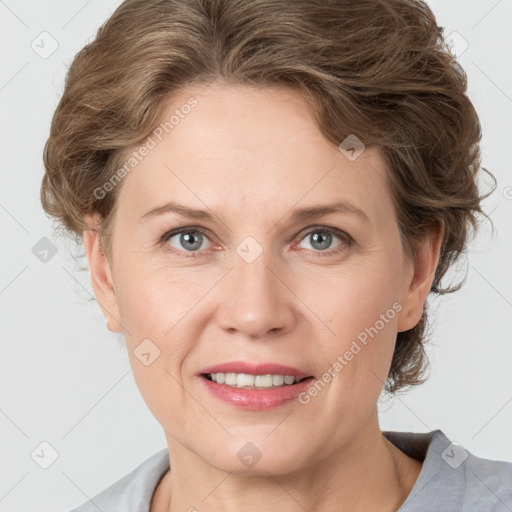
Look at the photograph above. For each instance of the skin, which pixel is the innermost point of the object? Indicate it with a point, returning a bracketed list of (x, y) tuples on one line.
[(251, 155)]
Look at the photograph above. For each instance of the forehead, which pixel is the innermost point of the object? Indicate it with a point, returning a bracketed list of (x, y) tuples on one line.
[(245, 150)]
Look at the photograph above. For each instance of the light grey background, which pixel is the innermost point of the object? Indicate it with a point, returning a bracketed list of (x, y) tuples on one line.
[(64, 378)]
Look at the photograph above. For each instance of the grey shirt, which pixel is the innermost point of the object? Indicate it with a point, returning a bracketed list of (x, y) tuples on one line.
[(451, 479)]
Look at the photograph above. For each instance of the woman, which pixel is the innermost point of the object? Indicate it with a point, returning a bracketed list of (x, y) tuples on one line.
[(267, 193)]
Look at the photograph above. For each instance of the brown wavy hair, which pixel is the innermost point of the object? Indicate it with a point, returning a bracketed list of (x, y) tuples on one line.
[(380, 69)]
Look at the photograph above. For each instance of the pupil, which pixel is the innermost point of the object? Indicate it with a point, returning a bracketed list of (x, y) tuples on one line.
[(321, 240), (190, 239), (326, 236)]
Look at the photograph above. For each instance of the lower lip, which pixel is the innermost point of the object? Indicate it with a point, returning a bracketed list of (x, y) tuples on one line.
[(256, 399)]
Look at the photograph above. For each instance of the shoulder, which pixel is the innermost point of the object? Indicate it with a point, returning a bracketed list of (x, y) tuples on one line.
[(452, 478), (134, 491), (485, 484)]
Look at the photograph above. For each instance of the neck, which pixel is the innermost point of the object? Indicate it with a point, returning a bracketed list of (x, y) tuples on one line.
[(366, 474)]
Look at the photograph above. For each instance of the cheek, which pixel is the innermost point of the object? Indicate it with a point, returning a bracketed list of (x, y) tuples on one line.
[(353, 297), (159, 310), (154, 310), (152, 299), (361, 309)]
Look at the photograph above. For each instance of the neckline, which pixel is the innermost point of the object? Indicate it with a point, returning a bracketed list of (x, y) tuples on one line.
[(425, 447), (417, 445)]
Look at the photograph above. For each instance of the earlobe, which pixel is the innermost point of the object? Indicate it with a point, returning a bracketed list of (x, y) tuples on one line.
[(419, 285), (101, 276)]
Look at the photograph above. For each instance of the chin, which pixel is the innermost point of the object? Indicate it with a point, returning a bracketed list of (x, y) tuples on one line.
[(257, 458)]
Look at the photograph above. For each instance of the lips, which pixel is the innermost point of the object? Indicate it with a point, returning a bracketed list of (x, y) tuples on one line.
[(252, 399), (255, 369)]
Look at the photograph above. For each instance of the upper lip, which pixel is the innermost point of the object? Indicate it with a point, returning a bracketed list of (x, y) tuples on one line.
[(255, 369)]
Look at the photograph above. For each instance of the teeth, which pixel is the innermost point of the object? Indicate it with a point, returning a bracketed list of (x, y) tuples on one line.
[(245, 380)]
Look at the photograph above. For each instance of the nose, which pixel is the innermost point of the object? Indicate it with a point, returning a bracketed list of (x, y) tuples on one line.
[(256, 301)]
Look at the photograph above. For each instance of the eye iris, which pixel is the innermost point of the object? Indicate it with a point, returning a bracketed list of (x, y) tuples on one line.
[(186, 237), (192, 240), (326, 236)]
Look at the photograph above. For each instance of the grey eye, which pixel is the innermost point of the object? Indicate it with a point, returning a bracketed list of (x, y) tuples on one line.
[(189, 240), (320, 239)]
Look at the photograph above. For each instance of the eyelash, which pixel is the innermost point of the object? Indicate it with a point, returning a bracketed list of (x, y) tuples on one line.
[(346, 239)]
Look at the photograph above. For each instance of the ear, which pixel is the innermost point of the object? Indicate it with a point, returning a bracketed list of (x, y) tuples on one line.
[(101, 275), (418, 282)]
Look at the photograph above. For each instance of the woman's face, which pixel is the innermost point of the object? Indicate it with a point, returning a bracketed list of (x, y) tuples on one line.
[(254, 282)]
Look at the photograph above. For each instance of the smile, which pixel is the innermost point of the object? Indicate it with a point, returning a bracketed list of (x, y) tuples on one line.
[(245, 380)]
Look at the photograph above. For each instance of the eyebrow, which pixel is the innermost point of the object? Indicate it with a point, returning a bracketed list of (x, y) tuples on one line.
[(297, 214)]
